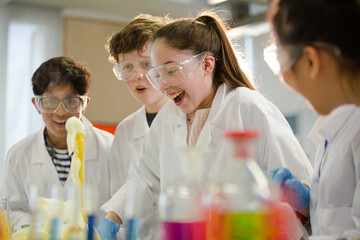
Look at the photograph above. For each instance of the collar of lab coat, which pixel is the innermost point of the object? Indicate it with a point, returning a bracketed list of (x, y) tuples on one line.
[(141, 124), (178, 117), (90, 144), (326, 127)]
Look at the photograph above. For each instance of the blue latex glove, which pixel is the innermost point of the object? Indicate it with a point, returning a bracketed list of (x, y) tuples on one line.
[(294, 192), (107, 229)]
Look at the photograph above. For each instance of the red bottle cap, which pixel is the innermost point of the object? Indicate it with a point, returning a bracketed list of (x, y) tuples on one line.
[(242, 134)]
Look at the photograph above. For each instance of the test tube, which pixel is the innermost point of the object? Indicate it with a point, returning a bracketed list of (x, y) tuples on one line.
[(5, 231), (54, 213), (90, 209)]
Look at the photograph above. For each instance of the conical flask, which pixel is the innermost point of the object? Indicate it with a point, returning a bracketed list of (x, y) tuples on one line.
[(181, 204), (238, 195)]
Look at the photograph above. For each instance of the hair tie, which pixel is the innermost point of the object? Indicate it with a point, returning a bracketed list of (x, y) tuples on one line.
[(198, 22)]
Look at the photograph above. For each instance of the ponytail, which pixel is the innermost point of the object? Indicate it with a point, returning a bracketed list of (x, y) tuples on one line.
[(207, 32)]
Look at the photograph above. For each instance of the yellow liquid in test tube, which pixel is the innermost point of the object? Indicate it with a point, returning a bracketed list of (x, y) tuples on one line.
[(4, 226), (75, 127), (80, 154)]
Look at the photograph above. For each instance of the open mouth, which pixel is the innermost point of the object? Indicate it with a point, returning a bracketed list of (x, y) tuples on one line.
[(178, 97), (140, 88), (61, 123)]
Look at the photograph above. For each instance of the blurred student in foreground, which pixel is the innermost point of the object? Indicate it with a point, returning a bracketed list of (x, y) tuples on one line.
[(318, 55)]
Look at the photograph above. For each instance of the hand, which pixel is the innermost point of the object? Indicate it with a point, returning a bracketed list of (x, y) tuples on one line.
[(107, 229), (294, 192)]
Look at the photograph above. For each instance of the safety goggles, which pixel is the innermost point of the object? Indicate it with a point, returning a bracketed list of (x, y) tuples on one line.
[(124, 71), (281, 58), (173, 74), (51, 103)]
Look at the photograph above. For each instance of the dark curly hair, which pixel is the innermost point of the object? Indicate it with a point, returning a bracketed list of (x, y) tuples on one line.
[(61, 71)]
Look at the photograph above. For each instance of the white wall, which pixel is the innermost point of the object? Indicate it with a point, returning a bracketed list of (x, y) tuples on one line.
[(29, 36), (3, 44)]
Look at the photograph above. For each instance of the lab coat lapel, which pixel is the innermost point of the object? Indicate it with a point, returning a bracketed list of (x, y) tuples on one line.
[(177, 120), (205, 136), (178, 134), (141, 124), (336, 120), (43, 159), (210, 133), (316, 137)]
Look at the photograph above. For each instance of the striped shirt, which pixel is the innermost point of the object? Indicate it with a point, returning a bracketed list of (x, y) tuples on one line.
[(60, 159), (62, 162)]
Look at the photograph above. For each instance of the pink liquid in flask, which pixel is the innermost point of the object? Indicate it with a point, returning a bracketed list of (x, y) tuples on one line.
[(184, 230)]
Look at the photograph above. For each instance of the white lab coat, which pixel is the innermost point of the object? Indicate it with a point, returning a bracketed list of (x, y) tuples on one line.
[(29, 163), (160, 161), (128, 137), (335, 188)]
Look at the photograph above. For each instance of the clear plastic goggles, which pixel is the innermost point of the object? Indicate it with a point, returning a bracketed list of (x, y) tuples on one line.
[(51, 103), (124, 71), (173, 74), (280, 59)]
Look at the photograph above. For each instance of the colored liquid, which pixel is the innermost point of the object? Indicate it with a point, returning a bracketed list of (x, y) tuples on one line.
[(91, 227), (132, 228), (184, 230), (239, 225), (54, 231), (4, 226)]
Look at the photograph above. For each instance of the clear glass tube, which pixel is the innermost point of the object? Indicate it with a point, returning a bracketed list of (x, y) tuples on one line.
[(5, 230)]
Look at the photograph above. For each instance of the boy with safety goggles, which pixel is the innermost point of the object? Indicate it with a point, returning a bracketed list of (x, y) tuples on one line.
[(60, 86), (129, 51)]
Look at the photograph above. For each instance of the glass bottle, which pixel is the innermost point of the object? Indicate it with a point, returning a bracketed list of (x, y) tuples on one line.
[(238, 195), (181, 204)]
